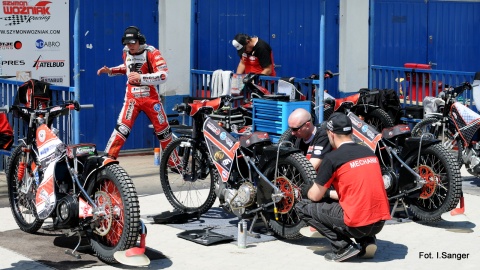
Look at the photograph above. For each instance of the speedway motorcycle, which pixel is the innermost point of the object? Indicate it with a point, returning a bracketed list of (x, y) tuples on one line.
[(251, 177), (358, 104), (417, 171), (85, 194), (456, 125)]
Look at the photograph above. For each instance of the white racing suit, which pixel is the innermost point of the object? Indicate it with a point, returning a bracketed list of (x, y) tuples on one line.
[(142, 97)]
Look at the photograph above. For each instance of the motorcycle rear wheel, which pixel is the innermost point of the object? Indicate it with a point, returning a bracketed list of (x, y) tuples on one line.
[(442, 191), (185, 194), (120, 229), (300, 174), (22, 202), (287, 136), (378, 118)]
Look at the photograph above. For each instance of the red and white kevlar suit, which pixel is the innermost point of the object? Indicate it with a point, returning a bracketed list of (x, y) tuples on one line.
[(141, 97)]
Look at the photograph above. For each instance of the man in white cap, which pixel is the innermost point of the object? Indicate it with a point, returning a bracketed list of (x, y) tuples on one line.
[(256, 55)]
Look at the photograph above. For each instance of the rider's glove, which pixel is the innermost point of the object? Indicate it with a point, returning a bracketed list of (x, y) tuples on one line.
[(75, 104)]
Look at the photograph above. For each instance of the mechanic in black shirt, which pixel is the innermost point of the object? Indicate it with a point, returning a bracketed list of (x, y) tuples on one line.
[(311, 139)]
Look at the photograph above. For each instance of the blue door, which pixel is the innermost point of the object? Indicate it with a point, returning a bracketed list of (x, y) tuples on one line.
[(454, 35), (290, 27), (399, 32), (101, 29), (443, 34)]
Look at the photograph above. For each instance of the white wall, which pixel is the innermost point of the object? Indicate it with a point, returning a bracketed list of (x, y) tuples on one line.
[(174, 44), (353, 58)]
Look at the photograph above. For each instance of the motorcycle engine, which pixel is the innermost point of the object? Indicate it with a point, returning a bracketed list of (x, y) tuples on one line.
[(67, 211), (390, 179), (239, 199), (471, 160)]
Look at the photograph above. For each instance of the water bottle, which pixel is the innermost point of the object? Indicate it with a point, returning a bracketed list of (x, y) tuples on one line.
[(156, 156), (242, 234)]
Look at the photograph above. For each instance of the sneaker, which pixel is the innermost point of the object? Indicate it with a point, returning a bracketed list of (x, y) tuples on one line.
[(368, 250), (310, 232), (346, 253)]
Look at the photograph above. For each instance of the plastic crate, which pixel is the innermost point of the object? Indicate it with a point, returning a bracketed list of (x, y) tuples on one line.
[(272, 116)]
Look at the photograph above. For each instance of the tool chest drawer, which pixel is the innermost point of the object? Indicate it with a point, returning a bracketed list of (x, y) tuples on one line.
[(272, 116)]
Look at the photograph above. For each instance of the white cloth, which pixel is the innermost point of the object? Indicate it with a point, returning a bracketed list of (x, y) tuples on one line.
[(431, 104), (220, 83)]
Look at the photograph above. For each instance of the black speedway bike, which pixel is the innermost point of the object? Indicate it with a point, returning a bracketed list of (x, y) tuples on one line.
[(417, 171), (252, 177), (457, 125)]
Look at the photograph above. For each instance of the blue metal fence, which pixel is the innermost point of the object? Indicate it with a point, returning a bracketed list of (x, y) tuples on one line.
[(201, 84), (410, 84), (413, 84), (8, 90)]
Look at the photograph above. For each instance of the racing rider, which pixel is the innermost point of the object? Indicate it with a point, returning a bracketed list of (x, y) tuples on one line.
[(145, 68)]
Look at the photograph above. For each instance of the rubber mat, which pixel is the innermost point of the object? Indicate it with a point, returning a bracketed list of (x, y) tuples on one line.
[(223, 223)]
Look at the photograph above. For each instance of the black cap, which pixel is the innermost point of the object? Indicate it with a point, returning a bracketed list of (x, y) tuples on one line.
[(339, 123), (131, 35), (239, 42)]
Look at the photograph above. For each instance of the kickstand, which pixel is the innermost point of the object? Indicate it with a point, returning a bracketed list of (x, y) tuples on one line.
[(73, 252), (250, 231), (395, 206), (257, 235)]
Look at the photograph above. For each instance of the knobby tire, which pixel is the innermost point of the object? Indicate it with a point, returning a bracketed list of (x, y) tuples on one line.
[(187, 195)]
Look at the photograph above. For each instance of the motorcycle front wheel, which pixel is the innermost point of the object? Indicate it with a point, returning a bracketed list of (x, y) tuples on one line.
[(113, 191), (21, 192), (295, 175), (185, 192), (443, 187)]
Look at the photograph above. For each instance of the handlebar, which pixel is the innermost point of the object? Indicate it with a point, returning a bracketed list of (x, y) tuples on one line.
[(54, 111), (87, 106), (180, 107), (205, 103), (458, 90), (4, 109)]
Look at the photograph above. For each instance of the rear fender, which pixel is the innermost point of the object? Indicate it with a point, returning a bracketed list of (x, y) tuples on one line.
[(270, 152), (411, 146), (96, 163)]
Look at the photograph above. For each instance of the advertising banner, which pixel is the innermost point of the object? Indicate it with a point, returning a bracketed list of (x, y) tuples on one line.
[(34, 40)]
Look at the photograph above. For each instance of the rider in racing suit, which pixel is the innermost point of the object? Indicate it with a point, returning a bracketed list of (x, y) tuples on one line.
[(145, 67)]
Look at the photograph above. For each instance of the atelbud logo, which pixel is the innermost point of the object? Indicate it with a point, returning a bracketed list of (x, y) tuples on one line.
[(48, 63), (20, 12)]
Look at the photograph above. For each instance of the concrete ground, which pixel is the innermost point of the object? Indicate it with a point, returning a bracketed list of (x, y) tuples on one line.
[(401, 245)]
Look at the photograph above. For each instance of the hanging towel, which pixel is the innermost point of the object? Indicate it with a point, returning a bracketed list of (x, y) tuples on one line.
[(221, 83), (217, 84), (226, 82)]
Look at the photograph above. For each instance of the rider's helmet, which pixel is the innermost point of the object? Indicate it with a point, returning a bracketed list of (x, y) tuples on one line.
[(132, 34)]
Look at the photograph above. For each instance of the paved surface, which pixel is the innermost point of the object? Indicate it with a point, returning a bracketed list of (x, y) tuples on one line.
[(406, 245)]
